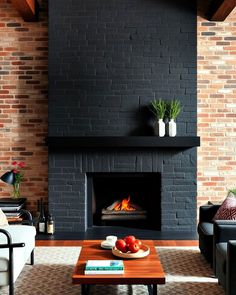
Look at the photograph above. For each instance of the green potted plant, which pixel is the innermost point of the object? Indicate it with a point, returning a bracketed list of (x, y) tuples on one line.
[(158, 107), (173, 110), (233, 191)]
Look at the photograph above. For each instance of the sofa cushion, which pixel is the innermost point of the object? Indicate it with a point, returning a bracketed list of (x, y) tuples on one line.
[(20, 234), (222, 248), (3, 218), (206, 228), (227, 210)]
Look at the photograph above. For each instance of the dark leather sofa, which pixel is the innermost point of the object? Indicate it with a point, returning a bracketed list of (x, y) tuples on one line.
[(224, 248), (205, 230)]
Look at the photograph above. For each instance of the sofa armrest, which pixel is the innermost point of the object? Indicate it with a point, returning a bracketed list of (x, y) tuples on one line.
[(224, 230), (13, 245), (207, 212), (9, 244)]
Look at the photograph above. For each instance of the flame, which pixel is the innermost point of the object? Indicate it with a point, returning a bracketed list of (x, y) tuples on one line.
[(125, 205)]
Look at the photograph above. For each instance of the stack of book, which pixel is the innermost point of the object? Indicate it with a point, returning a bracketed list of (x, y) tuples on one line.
[(104, 267), (11, 207)]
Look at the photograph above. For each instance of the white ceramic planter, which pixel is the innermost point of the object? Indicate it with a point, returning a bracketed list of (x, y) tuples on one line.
[(159, 128), (172, 128)]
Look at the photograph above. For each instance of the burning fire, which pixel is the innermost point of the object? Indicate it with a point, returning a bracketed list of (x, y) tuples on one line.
[(125, 204)]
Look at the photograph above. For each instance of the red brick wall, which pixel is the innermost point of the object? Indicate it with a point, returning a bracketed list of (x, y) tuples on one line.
[(23, 100), (216, 108)]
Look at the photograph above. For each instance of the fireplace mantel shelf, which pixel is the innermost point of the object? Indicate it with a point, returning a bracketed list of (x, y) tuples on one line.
[(91, 142)]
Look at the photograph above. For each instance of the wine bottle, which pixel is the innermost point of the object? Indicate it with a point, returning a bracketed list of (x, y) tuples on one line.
[(38, 209), (50, 225), (36, 219), (41, 224)]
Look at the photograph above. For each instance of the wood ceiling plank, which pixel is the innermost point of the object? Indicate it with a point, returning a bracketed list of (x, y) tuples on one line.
[(219, 10), (28, 9)]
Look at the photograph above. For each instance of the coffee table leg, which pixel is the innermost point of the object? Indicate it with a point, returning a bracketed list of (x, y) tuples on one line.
[(84, 289), (152, 289)]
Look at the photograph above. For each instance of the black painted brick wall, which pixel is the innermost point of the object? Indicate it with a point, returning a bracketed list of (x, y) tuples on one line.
[(109, 58), (68, 194)]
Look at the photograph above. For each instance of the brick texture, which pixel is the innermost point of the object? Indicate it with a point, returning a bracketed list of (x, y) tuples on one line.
[(23, 100), (68, 197), (107, 61), (216, 108)]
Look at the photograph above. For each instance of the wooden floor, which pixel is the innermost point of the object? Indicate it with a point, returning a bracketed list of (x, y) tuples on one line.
[(79, 243)]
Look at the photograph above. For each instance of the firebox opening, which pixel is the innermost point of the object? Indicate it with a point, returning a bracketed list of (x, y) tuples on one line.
[(124, 199)]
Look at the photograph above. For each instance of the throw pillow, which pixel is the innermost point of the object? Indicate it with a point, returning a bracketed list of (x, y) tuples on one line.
[(227, 210), (3, 218)]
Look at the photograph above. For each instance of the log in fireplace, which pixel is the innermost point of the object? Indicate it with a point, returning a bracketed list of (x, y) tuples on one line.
[(123, 210)]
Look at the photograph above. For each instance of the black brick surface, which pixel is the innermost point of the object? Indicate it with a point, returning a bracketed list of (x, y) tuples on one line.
[(68, 192), (107, 60)]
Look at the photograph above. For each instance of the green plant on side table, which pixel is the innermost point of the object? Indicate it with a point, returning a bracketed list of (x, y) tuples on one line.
[(158, 108)]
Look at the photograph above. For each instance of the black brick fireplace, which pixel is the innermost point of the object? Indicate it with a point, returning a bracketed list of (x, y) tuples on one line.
[(107, 61), (68, 179)]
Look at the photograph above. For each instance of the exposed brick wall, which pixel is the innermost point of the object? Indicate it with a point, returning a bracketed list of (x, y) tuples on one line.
[(23, 100), (23, 103), (216, 108)]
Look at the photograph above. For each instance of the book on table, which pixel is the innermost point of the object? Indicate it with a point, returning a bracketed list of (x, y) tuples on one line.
[(13, 214), (12, 205), (104, 267), (11, 201)]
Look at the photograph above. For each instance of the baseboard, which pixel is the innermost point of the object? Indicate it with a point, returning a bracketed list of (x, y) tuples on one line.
[(101, 232)]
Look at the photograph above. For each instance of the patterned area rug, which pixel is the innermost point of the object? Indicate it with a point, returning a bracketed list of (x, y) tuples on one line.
[(186, 273)]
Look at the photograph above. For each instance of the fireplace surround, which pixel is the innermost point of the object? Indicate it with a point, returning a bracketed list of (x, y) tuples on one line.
[(68, 183), (107, 61)]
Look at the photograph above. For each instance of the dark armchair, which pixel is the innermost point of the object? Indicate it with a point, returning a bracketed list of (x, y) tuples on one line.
[(224, 247), (205, 230)]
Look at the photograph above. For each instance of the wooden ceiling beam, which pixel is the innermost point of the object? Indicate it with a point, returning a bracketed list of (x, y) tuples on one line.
[(28, 9), (220, 9)]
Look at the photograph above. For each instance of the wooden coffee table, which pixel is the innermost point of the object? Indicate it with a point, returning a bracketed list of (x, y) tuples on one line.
[(147, 271)]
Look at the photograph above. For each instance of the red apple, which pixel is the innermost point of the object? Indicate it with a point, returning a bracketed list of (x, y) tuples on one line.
[(134, 247), (129, 240), (139, 242), (121, 245)]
